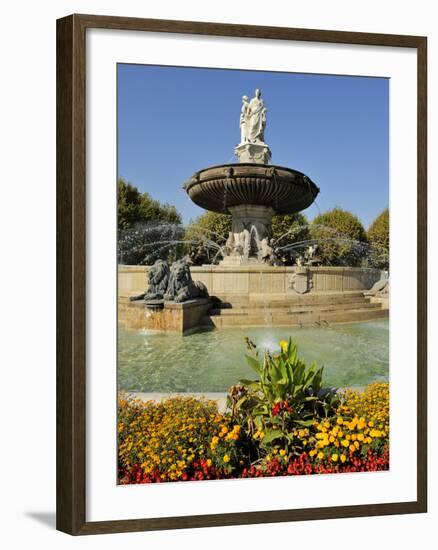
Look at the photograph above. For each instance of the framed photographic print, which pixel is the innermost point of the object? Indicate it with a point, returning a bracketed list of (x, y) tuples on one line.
[(241, 256)]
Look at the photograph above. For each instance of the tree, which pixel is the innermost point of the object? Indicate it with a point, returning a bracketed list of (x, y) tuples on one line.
[(134, 207), (290, 233), (211, 225), (378, 237), (206, 235), (340, 238), (146, 242), (128, 204), (289, 229), (147, 229)]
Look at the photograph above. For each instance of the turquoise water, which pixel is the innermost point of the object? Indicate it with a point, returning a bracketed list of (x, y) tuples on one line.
[(213, 360)]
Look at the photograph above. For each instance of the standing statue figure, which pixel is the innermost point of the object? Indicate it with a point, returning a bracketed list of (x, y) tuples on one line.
[(256, 119), (243, 119)]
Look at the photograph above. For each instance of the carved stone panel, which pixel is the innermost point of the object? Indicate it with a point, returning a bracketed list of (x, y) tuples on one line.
[(301, 281)]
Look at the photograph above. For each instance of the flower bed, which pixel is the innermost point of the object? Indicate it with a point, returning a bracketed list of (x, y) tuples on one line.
[(283, 423)]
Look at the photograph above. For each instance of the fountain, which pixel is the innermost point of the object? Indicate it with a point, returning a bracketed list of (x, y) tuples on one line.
[(251, 286), (252, 190)]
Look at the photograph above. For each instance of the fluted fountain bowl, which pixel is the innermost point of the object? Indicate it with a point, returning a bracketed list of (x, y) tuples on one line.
[(220, 187)]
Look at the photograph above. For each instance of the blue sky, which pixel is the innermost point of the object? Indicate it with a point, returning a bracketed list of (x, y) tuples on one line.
[(173, 121)]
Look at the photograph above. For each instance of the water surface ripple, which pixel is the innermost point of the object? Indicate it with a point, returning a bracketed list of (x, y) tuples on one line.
[(213, 360)]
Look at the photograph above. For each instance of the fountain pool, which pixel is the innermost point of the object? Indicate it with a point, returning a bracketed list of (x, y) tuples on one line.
[(212, 360)]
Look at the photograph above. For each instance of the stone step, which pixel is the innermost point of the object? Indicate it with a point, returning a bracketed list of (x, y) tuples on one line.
[(293, 309), (245, 301), (297, 319)]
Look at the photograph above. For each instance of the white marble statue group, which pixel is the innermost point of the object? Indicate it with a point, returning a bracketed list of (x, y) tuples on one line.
[(252, 119)]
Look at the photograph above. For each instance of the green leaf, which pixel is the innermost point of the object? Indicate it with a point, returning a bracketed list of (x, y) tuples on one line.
[(246, 382), (241, 401), (254, 364), (305, 423), (271, 435)]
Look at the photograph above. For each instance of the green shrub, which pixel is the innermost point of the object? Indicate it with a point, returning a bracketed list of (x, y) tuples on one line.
[(341, 238), (378, 237)]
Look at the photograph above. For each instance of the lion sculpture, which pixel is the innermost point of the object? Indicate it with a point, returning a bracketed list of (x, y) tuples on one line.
[(379, 289), (181, 287), (158, 280)]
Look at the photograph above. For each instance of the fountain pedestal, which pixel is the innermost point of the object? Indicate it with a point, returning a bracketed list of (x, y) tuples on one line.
[(250, 236), (258, 153)]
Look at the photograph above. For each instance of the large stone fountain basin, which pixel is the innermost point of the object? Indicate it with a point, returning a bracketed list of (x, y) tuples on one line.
[(220, 187)]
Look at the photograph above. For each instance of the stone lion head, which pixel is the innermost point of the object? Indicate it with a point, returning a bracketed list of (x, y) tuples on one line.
[(159, 270), (181, 272)]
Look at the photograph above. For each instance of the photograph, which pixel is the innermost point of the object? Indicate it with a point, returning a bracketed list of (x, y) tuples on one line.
[(253, 301)]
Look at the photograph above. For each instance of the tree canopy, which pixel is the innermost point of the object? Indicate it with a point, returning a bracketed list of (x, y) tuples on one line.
[(378, 237), (134, 207), (205, 235), (147, 229), (341, 237), (289, 229)]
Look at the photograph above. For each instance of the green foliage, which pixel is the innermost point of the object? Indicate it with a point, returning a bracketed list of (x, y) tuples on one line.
[(290, 228), (206, 235), (287, 394), (212, 225), (378, 237), (147, 229), (144, 243), (341, 238), (134, 207)]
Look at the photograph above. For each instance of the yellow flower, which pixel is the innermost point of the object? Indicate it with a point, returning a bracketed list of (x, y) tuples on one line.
[(352, 448), (282, 452), (343, 458), (320, 455), (284, 346), (209, 462), (226, 458), (344, 443), (313, 452), (340, 420), (334, 457)]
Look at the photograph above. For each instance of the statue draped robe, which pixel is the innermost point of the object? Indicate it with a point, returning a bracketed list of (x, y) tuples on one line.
[(255, 125)]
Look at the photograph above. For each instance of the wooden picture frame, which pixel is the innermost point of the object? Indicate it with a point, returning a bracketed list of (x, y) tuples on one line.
[(71, 273)]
